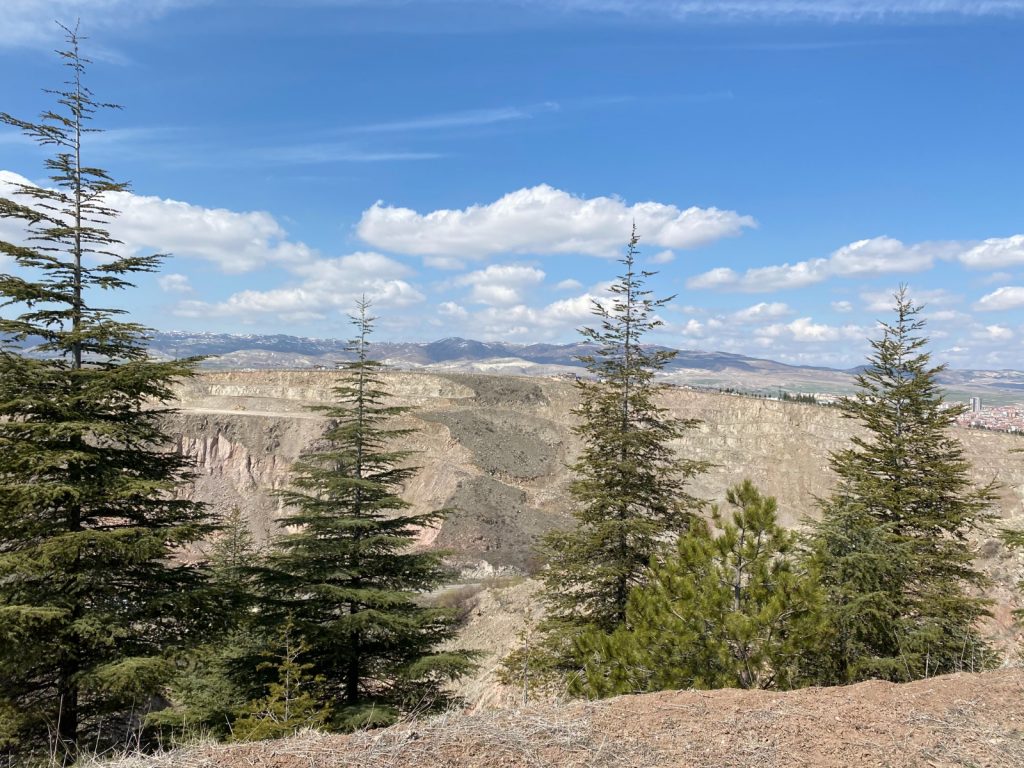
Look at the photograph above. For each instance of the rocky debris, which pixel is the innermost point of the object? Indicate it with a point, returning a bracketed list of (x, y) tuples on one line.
[(492, 522), (956, 720), (498, 449), (504, 442)]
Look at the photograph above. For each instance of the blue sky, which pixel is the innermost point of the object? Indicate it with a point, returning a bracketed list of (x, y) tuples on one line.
[(474, 166)]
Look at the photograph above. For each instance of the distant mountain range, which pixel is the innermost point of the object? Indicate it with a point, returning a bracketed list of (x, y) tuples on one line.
[(234, 351), (225, 351), (695, 367)]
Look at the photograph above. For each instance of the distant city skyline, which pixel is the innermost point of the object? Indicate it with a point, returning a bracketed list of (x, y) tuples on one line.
[(475, 168)]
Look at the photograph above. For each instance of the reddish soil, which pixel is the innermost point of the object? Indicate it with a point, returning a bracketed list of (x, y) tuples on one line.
[(957, 720)]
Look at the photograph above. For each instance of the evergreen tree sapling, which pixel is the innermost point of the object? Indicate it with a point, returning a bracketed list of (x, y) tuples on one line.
[(347, 576), (630, 486), (215, 680), (736, 610), (91, 596), (893, 541), (290, 704)]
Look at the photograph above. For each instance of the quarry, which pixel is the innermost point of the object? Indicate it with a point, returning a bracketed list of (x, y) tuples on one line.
[(495, 451)]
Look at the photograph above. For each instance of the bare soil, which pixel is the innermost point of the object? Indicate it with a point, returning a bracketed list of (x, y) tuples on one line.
[(956, 720)]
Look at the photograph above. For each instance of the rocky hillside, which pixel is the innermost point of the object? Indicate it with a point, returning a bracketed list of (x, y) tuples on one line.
[(959, 720), (494, 441), (495, 450)]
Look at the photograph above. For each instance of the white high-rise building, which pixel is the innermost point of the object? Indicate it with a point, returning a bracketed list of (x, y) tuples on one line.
[(975, 405)]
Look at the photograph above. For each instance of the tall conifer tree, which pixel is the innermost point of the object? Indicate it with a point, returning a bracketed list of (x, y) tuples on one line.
[(90, 594), (894, 539), (346, 576), (630, 485)]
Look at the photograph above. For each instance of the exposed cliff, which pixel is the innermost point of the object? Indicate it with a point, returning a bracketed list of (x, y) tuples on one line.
[(495, 449)]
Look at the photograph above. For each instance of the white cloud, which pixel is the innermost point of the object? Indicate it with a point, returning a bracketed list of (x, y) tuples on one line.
[(551, 321), (762, 311), (236, 242), (544, 220), (694, 328), (805, 330), (745, 11), (714, 278), (444, 262), (1007, 297), (663, 257), (569, 285), (864, 258), (174, 283), (947, 316), (31, 22), (501, 284), (452, 310), (459, 119), (996, 333), (330, 285), (791, 10), (995, 253), (997, 277), (842, 306), (883, 301)]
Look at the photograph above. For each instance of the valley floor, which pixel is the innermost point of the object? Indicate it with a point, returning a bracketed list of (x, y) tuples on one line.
[(956, 720)]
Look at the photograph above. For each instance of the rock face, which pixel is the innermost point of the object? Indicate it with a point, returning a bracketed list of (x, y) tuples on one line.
[(496, 450), (486, 438)]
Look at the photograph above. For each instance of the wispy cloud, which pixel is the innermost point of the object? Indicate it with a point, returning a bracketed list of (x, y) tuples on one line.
[(462, 119), (30, 23), (309, 154), (816, 10), (740, 11)]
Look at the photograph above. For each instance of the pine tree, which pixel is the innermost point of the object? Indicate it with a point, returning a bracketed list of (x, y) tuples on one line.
[(629, 488), (894, 539), (91, 596), (346, 575), (736, 610), (290, 704), (215, 680)]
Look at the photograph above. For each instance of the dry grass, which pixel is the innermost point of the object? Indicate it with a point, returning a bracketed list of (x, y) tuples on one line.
[(496, 739), (964, 721)]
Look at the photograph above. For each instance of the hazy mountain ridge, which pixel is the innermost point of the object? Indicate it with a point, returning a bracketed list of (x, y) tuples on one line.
[(256, 351), (227, 351)]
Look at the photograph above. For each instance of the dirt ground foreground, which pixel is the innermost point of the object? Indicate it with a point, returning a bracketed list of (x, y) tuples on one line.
[(957, 720)]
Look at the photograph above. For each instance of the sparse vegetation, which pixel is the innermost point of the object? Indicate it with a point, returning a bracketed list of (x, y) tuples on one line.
[(122, 622)]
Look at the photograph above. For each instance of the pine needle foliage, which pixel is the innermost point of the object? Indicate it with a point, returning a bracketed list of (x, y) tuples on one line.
[(290, 705), (733, 610), (894, 539), (629, 490), (1014, 539), (91, 598), (215, 680), (347, 575)]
